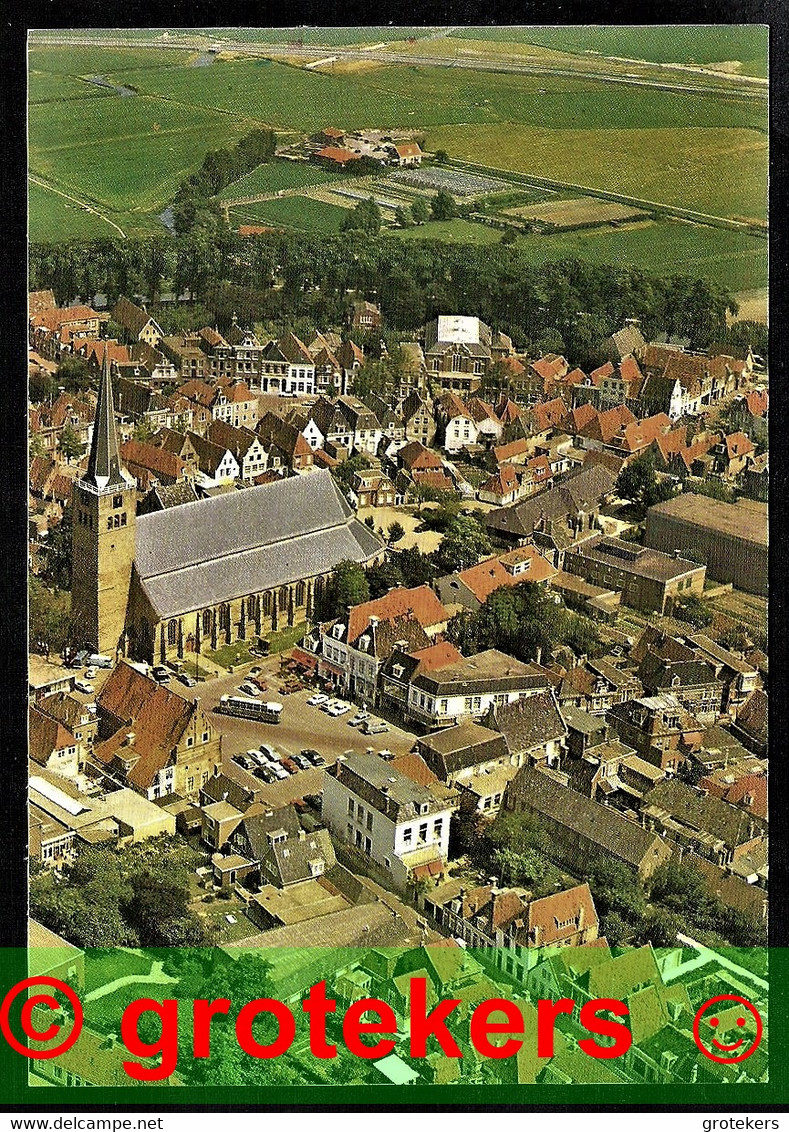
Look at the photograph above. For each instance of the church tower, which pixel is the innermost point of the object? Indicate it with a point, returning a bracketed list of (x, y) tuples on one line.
[(104, 506)]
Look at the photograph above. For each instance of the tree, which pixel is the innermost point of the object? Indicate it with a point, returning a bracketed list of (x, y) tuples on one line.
[(694, 610), (36, 446), (443, 206), (381, 579), (636, 478), (463, 544), (509, 236), (70, 444), (49, 615), (57, 569), (416, 568), (143, 430), (402, 217), (420, 211), (73, 374), (396, 532), (366, 216), (346, 586), (441, 157)]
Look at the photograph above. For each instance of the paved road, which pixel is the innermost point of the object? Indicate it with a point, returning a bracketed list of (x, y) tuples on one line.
[(302, 726)]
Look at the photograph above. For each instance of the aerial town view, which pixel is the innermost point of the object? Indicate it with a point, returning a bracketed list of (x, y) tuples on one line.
[(398, 480)]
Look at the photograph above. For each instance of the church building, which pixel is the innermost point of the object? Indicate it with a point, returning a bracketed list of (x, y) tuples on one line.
[(232, 567)]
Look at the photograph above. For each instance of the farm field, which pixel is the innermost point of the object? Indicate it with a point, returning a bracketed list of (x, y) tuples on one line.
[(449, 231), (722, 172), (277, 175), (45, 87), (400, 95), (147, 147), (582, 210), (300, 213), (733, 259)]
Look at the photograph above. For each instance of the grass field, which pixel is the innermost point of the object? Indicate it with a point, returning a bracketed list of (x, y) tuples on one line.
[(722, 172), (299, 213), (397, 96), (148, 146), (100, 60), (274, 176), (45, 87), (737, 261), (52, 218), (712, 43), (449, 231)]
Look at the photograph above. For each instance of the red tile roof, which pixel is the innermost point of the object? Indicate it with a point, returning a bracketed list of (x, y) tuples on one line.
[(137, 453), (46, 735), (738, 444), (507, 451), (420, 602), (492, 574), (608, 424), (578, 418), (551, 914), (335, 153), (437, 656), (758, 402), (549, 414), (640, 434), (603, 371)]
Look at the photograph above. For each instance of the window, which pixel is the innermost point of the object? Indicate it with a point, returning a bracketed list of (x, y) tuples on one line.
[(117, 501), (423, 831), (408, 835), (205, 736), (369, 820), (350, 806), (368, 846), (109, 522), (172, 632), (349, 831), (190, 741), (438, 826), (123, 519), (190, 783)]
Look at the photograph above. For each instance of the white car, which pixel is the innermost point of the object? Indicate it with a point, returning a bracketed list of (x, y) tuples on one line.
[(339, 709), (84, 687), (318, 700), (248, 689), (358, 718), (279, 770)]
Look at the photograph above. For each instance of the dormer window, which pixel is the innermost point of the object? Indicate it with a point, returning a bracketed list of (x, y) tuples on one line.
[(337, 632)]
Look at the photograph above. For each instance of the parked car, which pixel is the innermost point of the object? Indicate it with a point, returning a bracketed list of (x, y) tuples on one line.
[(290, 764), (374, 727), (318, 700), (244, 761), (258, 682), (84, 687), (338, 709), (301, 762), (266, 773), (190, 681), (248, 689), (314, 757), (161, 674), (279, 770), (360, 717)]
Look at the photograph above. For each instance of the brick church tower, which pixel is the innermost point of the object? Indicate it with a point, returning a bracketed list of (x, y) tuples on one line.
[(104, 505)]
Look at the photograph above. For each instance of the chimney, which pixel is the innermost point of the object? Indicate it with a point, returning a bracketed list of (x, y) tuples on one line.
[(128, 739)]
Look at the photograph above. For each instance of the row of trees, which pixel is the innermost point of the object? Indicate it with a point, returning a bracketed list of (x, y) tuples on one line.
[(677, 898), (570, 306), (193, 206)]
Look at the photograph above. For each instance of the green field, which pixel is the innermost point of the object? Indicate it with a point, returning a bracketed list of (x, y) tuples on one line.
[(299, 213), (274, 176), (403, 95), (722, 172), (735, 260), (147, 147), (52, 218), (128, 155), (450, 232), (712, 43)]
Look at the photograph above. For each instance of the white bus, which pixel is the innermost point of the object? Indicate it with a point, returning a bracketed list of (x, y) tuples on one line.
[(270, 712)]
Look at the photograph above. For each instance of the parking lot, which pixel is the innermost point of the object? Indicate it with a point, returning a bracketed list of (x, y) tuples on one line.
[(302, 726)]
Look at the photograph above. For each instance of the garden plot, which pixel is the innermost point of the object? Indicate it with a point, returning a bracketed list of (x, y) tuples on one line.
[(452, 180), (581, 212)]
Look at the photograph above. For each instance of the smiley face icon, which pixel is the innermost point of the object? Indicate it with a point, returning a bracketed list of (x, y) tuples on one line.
[(727, 1028)]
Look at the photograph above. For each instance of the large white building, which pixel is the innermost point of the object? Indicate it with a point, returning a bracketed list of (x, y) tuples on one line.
[(400, 825)]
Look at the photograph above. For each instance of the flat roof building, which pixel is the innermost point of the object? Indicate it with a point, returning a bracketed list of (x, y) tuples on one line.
[(732, 537)]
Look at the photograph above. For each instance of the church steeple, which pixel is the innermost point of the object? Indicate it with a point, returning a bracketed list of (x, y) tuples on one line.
[(104, 466)]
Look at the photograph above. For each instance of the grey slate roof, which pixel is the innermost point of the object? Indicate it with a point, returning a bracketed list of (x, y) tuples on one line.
[(583, 489), (529, 722), (462, 746), (104, 466), (291, 858), (245, 542), (602, 825)]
